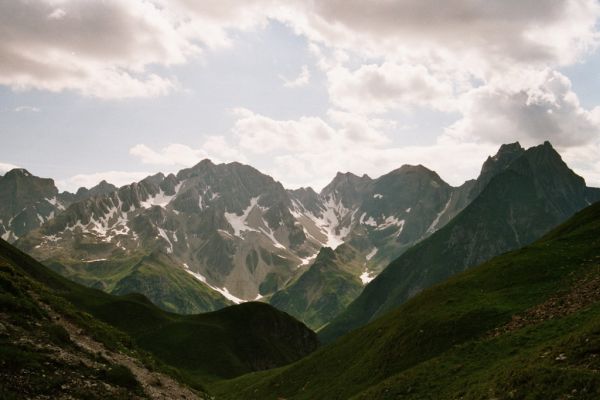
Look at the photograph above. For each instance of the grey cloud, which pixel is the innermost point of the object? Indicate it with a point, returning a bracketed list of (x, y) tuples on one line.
[(501, 28), (548, 110)]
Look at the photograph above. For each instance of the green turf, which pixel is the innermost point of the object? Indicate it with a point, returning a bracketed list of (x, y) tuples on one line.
[(435, 345), (221, 344)]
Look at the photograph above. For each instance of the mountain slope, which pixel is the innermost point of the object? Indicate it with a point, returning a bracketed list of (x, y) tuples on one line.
[(323, 291), (226, 343), (377, 219), (168, 286), (534, 193), (51, 349), (522, 325)]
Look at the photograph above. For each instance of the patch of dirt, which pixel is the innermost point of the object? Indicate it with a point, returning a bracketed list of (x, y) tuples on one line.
[(583, 293), (156, 385)]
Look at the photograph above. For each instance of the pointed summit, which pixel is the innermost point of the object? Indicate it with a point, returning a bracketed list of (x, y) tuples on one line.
[(496, 164), (344, 182), (99, 190)]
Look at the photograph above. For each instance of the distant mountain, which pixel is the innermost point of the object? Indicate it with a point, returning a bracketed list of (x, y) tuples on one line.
[(101, 189), (523, 325), (527, 193), (376, 220), (59, 339), (238, 232), (27, 201)]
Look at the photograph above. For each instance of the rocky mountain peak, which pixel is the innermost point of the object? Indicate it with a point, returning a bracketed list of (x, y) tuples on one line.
[(505, 155), (496, 164), (346, 183), (22, 183), (100, 189)]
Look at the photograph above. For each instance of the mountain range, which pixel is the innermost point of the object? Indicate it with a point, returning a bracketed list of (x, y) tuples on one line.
[(418, 289), (218, 234)]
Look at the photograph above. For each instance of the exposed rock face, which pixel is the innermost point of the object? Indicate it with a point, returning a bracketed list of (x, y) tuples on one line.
[(238, 230), (26, 202)]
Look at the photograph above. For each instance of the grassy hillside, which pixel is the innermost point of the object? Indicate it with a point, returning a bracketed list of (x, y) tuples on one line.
[(51, 349), (520, 204), (524, 325), (225, 343), (324, 290), (155, 275)]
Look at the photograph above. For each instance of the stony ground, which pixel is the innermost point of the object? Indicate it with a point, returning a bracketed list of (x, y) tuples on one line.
[(583, 293), (51, 357)]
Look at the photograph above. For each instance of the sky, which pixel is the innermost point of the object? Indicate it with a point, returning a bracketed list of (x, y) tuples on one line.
[(121, 89)]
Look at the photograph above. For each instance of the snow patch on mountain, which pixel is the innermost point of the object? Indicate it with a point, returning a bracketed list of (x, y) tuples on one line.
[(391, 221), (369, 221), (372, 253), (436, 221), (329, 223), (307, 260), (223, 290), (366, 277), (160, 199), (54, 201), (163, 234), (271, 236), (238, 222)]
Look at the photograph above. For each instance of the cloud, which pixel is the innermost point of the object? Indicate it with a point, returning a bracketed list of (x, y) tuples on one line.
[(117, 178), (584, 161), (529, 106), (476, 33), (380, 88), (454, 161), (26, 109), (310, 150), (63, 45), (301, 80), (175, 154), (262, 135), (102, 49), (109, 49)]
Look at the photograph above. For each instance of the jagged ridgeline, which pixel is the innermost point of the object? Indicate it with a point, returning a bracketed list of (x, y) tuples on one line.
[(214, 235)]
